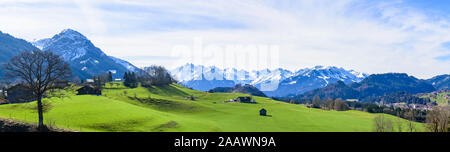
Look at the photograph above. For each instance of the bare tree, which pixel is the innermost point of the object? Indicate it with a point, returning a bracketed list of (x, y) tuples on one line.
[(316, 102), (399, 123), (340, 105), (389, 125), (411, 126), (437, 119), (38, 70), (380, 124), (156, 75), (76, 80), (383, 124)]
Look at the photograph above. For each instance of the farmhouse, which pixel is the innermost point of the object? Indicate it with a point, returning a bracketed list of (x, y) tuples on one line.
[(263, 112), (19, 93), (352, 100), (89, 80), (2, 94), (244, 99), (60, 84), (89, 90), (3, 101)]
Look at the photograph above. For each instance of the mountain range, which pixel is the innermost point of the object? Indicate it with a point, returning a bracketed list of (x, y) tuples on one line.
[(277, 82), (372, 86), (87, 60)]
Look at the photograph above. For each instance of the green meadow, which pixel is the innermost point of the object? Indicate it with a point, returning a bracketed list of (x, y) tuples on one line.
[(168, 109), (439, 99)]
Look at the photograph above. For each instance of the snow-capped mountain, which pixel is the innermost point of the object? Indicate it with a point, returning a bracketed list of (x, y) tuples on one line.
[(201, 78), (312, 78), (84, 58), (276, 82), (268, 80)]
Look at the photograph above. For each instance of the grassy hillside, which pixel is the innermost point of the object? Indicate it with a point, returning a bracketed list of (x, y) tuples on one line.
[(439, 98), (167, 108)]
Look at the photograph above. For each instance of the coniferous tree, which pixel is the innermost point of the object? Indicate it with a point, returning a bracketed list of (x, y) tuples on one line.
[(130, 80), (125, 76), (110, 78)]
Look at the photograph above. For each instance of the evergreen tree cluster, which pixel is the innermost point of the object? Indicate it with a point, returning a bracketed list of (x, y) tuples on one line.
[(130, 80), (101, 79)]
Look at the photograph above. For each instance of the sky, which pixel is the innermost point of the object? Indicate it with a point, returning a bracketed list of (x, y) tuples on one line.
[(404, 36)]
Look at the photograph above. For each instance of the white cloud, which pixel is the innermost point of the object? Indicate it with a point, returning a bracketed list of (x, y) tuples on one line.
[(368, 36)]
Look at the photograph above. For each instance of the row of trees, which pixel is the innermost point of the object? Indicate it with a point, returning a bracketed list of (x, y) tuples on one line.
[(156, 75), (383, 124), (101, 79), (437, 120), (148, 76), (419, 115), (130, 80), (153, 75), (397, 97), (330, 104)]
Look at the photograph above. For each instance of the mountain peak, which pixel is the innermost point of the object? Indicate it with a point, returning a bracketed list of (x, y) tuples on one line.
[(320, 67), (71, 34), (68, 30)]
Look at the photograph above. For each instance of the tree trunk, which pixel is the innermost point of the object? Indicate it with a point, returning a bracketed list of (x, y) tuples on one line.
[(40, 112)]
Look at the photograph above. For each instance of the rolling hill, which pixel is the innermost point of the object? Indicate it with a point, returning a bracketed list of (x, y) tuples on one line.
[(441, 97), (166, 109), (246, 89)]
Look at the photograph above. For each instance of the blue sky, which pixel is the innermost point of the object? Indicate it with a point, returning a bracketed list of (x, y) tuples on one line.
[(410, 36), (430, 5)]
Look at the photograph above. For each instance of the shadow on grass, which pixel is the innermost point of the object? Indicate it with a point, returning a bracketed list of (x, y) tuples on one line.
[(126, 125), (167, 90), (163, 127), (166, 104)]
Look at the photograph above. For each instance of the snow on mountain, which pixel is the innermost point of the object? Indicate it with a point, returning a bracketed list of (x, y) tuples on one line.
[(277, 82), (84, 57), (202, 78), (69, 44), (124, 63), (312, 78)]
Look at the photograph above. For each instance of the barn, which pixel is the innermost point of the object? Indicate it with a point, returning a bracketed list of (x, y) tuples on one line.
[(263, 112), (19, 93), (244, 99), (89, 90)]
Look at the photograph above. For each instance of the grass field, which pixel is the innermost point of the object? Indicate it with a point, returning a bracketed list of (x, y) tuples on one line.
[(167, 108), (439, 99)]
